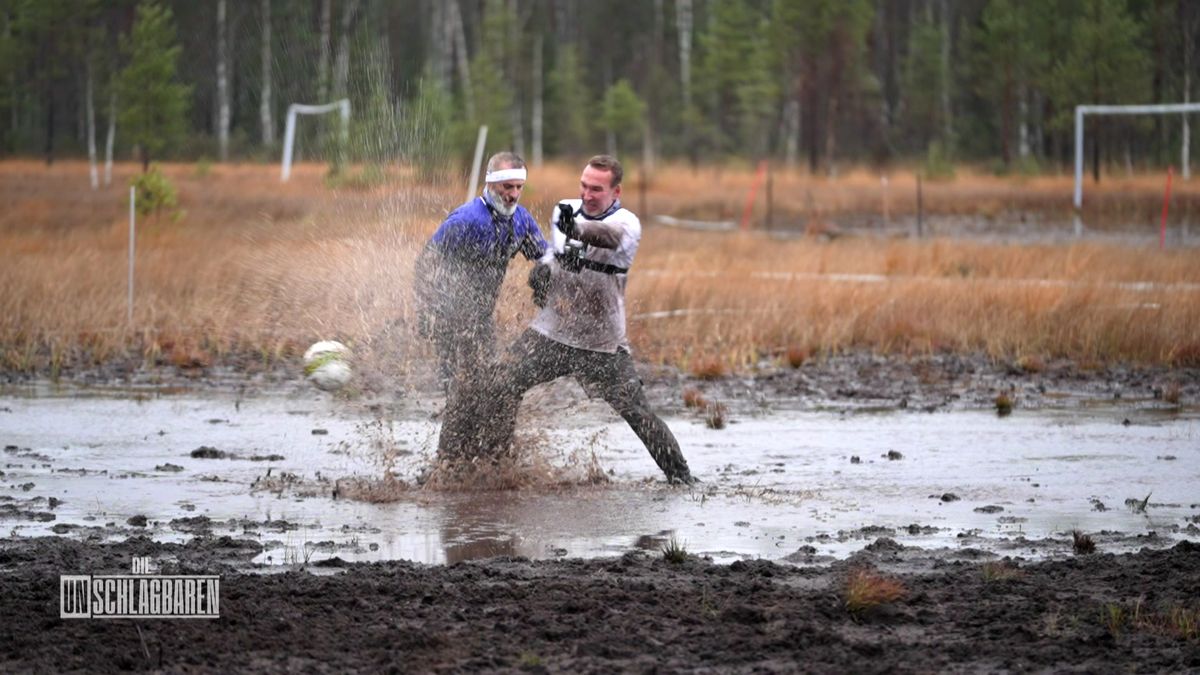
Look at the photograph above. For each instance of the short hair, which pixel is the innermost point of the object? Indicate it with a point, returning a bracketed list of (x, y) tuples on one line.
[(509, 160), (610, 164)]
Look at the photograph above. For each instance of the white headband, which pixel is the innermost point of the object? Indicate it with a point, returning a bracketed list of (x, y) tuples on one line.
[(503, 175)]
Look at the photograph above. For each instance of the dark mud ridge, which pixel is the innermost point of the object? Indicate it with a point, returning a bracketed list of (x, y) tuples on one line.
[(846, 381), (641, 612)]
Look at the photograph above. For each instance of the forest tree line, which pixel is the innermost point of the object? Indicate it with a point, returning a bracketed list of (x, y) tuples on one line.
[(816, 82)]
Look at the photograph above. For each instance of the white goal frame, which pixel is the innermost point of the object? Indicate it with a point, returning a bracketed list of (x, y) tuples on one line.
[(289, 136), (1156, 109)]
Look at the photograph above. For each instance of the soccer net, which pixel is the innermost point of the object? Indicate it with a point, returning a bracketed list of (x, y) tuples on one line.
[(1157, 109), (289, 135)]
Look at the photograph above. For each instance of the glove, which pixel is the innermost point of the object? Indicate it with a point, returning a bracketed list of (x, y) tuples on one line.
[(539, 281), (566, 222)]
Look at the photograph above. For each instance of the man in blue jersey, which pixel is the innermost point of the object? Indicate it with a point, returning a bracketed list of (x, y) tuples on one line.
[(457, 276), (580, 330)]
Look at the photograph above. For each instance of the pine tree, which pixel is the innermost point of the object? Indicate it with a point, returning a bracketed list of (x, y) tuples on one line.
[(1104, 64), (153, 104), (624, 114)]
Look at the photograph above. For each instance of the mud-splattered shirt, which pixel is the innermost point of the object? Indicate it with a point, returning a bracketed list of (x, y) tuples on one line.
[(586, 309)]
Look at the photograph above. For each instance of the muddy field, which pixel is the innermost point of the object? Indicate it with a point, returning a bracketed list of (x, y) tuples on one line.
[(636, 613), (1007, 601)]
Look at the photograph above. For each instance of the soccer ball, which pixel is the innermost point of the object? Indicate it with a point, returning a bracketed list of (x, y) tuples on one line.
[(327, 365)]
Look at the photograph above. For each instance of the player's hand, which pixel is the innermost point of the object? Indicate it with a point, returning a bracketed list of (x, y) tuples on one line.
[(566, 222)]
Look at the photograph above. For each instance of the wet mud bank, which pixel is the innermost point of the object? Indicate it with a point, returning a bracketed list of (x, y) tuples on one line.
[(635, 613)]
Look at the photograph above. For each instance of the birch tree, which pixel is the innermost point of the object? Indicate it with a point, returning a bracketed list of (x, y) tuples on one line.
[(222, 84), (265, 115)]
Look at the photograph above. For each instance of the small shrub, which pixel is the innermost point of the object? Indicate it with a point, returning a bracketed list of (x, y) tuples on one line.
[(153, 193), (674, 552), (1082, 543), (866, 589)]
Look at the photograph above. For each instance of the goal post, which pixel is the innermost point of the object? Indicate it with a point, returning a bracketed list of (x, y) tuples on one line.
[(289, 136), (1082, 110)]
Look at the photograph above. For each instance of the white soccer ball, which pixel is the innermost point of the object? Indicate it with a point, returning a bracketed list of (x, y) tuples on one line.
[(327, 365)]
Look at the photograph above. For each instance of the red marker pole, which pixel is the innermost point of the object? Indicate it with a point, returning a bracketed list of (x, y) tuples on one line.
[(1162, 230), (758, 179)]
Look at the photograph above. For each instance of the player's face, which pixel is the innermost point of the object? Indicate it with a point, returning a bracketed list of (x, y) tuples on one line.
[(597, 191), (506, 194)]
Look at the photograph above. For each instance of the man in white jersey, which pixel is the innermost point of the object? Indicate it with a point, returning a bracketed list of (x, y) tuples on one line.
[(580, 330)]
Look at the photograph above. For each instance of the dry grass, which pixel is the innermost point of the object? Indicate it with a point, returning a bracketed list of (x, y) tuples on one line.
[(1000, 571), (867, 588), (692, 398), (1173, 393), (257, 270)]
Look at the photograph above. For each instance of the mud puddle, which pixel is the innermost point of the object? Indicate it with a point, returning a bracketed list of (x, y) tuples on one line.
[(801, 486)]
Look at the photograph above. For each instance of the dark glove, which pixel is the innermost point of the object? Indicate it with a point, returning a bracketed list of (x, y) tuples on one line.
[(539, 281), (566, 222)]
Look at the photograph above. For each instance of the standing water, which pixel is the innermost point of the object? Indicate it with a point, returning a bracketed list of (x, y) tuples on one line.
[(804, 484)]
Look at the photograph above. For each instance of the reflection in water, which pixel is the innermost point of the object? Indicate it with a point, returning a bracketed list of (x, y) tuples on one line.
[(475, 526)]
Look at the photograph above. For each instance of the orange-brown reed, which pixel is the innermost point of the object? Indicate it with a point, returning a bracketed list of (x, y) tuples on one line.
[(257, 269)]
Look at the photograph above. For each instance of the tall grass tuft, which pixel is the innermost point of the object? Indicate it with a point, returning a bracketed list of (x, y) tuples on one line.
[(865, 589)]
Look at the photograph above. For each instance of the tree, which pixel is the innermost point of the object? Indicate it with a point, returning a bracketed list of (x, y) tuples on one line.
[(737, 80), (925, 79), (491, 77), (153, 104), (570, 128), (624, 114), (1104, 64), (821, 44)]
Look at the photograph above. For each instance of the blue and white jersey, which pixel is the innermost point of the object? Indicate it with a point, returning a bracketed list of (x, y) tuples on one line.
[(458, 276)]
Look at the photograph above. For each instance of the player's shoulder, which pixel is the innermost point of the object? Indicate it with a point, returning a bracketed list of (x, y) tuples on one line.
[(627, 218)]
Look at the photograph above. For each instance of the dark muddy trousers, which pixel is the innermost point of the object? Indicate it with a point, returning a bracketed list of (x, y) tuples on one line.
[(484, 425)]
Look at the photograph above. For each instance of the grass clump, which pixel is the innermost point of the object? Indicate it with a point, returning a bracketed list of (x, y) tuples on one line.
[(1082, 543), (866, 589), (714, 415), (674, 552), (1174, 621), (692, 398), (1004, 404)]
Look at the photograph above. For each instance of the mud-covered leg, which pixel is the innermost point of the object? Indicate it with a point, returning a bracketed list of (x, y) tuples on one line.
[(622, 389), (480, 419)]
